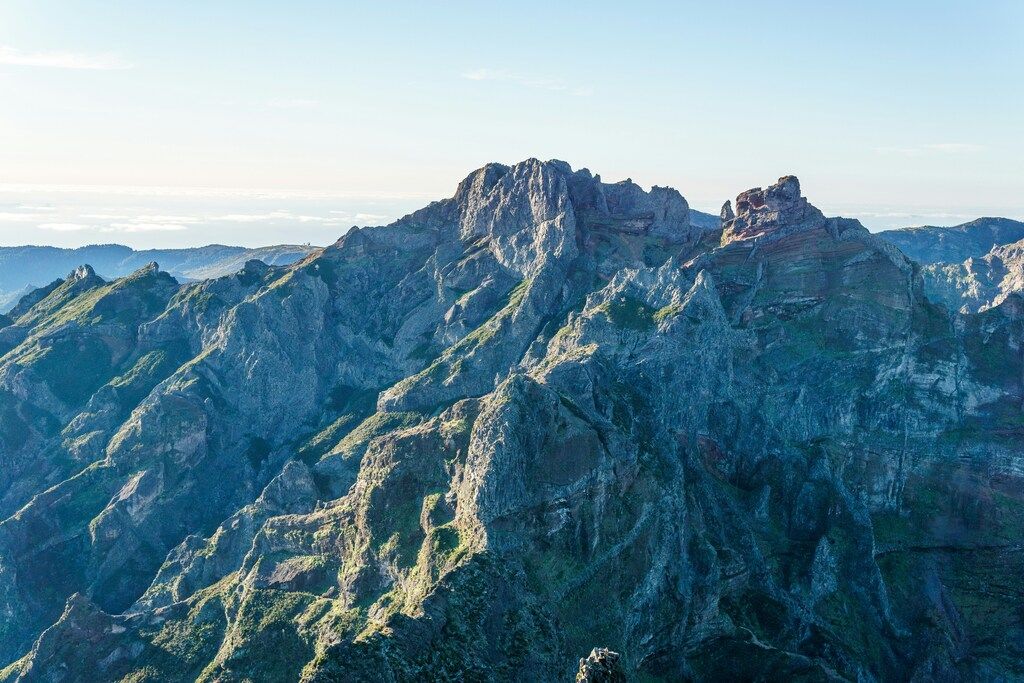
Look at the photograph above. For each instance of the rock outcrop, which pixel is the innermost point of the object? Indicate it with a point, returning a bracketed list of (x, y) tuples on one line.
[(601, 666), (770, 214)]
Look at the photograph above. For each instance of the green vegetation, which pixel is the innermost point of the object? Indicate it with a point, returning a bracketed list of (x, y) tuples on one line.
[(355, 442), (267, 622), (628, 313), (666, 312), (72, 369)]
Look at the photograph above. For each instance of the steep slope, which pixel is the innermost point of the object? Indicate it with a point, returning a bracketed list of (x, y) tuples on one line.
[(546, 415), (978, 283), (930, 244), (23, 268)]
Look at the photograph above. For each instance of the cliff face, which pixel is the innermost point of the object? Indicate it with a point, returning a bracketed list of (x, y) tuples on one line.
[(546, 415)]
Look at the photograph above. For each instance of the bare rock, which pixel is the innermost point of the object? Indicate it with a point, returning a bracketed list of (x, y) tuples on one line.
[(601, 666)]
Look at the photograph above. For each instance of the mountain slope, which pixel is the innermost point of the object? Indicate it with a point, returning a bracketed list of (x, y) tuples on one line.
[(977, 283), (930, 244), (571, 417), (23, 268)]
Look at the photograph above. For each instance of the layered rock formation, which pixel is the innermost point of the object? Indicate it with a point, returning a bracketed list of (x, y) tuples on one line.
[(548, 415)]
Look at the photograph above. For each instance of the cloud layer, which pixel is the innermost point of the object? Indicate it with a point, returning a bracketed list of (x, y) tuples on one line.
[(932, 148), (12, 56), (526, 80)]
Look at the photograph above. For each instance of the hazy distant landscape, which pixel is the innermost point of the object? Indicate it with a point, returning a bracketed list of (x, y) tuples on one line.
[(23, 269)]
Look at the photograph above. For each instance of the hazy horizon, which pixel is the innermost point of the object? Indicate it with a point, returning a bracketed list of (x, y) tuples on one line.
[(174, 218)]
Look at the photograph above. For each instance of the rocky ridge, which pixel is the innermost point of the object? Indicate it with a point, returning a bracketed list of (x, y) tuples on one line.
[(572, 418), (977, 284), (23, 267), (930, 244)]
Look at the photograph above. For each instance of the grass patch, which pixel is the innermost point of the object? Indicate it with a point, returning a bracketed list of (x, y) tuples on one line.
[(628, 313)]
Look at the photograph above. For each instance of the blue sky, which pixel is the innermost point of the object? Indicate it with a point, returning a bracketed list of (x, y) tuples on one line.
[(177, 123)]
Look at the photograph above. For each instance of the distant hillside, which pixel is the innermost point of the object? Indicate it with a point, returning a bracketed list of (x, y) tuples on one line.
[(22, 269), (977, 283), (703, 220), (931, 244)]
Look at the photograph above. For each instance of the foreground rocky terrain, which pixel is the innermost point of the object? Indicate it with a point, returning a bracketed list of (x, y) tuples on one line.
[(547, 416)]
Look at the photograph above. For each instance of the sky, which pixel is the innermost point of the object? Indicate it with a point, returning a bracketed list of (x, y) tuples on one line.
[(160, 124)]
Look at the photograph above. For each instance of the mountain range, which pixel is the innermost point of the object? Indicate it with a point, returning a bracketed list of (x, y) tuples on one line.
[(23, 269), (550, 426)]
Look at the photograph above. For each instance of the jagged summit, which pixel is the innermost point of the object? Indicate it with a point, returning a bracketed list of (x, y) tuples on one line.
[(726, 214), (536, 211), (82, 272), (147, 270), (771, 212), (500, 199)]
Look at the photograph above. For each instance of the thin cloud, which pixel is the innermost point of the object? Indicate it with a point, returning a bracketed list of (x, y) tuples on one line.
[(106, 216), (13, 56), (266, 217), (144, 227), (954, 147), (24, 217), (113, 227), (361, 218), (294, 103), (208, 192), (905, 214), (526, 80), (167, 219), (372, 217), (932, 148), (64, 227)]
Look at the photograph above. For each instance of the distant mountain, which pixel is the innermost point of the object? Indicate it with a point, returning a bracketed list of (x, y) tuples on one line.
[(978, 283), (932, 244), (546, 417), (25, 268), (969, 267), (703, 220)]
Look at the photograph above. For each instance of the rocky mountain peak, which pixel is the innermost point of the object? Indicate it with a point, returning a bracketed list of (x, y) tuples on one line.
[(775, 211), (480, 181), (499, 202), (146, 272), (255, 266), (82, 272), (601, 666), (726, 213)]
